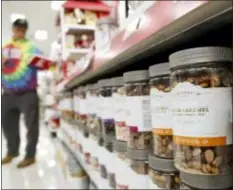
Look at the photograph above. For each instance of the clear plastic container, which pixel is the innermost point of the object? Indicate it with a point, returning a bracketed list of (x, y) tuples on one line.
[(160, 110), (202, 110), (163, 174), (107, 115), (138, 107), (105, 30), (119, 101), (208, 182), (92, 121)]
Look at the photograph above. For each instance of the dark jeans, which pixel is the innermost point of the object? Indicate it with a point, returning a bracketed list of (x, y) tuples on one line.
[(12, 106)]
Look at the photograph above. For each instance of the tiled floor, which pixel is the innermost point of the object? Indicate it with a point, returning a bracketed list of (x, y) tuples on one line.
[(45, 174)]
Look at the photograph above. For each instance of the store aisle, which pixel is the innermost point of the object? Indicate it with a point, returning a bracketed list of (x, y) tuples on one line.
[(45, 174)]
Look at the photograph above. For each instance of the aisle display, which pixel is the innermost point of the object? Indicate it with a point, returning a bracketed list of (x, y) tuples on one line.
[(154, 124)]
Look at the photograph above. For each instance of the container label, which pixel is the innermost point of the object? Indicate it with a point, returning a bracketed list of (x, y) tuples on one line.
[(202, 116), (139, 113), (160, 112)]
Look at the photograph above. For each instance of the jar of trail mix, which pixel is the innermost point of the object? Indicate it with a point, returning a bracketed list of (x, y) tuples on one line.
[(202, 110), (76, 103), (107, 115), (119, 97), (83, 110), (122, 169), (139, 165), (92, 110), (138, 109), (208, 182), (160, 110), (163, 174)]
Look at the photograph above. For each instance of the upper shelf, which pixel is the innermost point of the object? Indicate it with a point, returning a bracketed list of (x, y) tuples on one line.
[(164, 25), (79, 29)]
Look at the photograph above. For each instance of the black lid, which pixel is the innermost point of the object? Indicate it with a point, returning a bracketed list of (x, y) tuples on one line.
[(117, 81), (104, 83), (161, 164), (200, 55), (222, 181), (20, 23), (159, 69)]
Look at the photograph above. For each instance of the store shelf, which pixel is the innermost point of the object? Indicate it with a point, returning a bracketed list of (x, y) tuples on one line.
[(94, 175), (79, 29), (75, 53), (158, 37)]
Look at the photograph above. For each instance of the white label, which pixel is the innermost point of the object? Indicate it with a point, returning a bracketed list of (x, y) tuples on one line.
[(202, 112), (160, 109), (107, 112), (119, 107), (139, 113), (83, 107)]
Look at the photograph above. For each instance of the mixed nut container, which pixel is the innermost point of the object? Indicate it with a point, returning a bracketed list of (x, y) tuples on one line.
[(160, 97), (202, 110), (163, 174)]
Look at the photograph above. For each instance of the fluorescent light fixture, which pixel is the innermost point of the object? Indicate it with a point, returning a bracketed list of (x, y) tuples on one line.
[(15, 16), (56, 5), (41, 35)]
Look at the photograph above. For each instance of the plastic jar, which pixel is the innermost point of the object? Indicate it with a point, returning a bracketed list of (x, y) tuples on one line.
[(102, 157), (76, 103), (208, 182), (160, 110), (202, 110), (122, 169), (163, 174), (119, 100), (105, 30), (111, 170), (91, 121), (139, 165), (84, 110), (107, 115), (138, 107)]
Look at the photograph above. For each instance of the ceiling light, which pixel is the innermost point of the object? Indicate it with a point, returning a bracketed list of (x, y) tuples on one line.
[(15, 16), (41, 35)]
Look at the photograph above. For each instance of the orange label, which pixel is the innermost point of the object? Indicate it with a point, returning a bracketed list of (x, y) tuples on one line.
[(163, 132), (200, 141)]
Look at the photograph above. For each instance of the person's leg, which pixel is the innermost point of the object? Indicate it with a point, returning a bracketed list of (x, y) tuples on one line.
[(29, 106), (10, 124)]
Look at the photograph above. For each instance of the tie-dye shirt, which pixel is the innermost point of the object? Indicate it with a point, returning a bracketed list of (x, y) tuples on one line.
[(17, 75)]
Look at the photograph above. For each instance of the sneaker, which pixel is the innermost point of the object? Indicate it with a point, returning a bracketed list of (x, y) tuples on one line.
[(7, 159), (26, 162)]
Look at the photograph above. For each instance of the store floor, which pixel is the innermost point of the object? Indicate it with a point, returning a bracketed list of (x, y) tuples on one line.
[(45, 174)]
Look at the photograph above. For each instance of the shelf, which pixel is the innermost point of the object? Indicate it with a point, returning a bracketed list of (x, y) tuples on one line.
[(178, 23), (74, 54), (79, 29), (94, 175)]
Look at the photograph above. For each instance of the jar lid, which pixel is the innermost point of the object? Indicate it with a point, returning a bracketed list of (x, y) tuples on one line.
[(161, 164), (117, 81), (200, 55), (106, 20), (222, 181), (104, 83), (159, 69), (138, 154), (134, 76), (120, 146)]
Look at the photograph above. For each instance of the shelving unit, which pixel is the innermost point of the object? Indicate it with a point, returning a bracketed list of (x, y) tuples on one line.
[(163, 27), (199, 20)]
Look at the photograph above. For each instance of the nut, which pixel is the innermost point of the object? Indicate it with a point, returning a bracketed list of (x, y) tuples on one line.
[(140, 140), (163, 146), (209, 155)]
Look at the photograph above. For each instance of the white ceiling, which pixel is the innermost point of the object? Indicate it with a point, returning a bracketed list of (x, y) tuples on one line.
[(39, 15)]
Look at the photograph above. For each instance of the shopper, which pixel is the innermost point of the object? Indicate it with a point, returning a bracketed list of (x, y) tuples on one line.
[(19, 82)]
